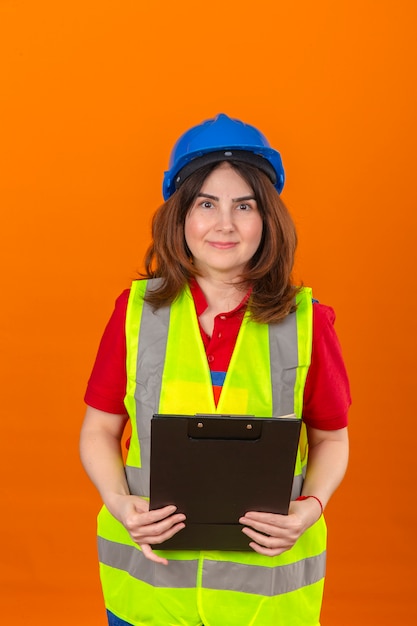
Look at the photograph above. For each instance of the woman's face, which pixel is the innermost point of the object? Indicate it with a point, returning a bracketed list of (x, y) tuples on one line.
[(223, 228)]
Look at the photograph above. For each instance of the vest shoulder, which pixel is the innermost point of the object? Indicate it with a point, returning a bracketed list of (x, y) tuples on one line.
[(141, 284)]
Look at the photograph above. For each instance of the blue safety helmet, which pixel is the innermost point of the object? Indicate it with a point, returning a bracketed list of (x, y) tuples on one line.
[(221, 139)]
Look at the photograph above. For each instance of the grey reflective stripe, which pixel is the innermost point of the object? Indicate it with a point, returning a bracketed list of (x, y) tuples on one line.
[(178, 575), (138, 480), (265, 581), (219, 575), (283, 349), (297, 486), (153, 335)]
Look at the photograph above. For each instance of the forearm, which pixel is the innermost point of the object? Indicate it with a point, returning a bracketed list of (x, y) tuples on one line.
[(101, 456), (102, 460), (327, 463)]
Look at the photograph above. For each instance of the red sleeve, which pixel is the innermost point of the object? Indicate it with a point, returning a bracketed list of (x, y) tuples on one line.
[(106, 388), (326, 394)]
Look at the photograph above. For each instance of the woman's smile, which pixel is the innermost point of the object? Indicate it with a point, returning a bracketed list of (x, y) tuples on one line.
[(223, 245)]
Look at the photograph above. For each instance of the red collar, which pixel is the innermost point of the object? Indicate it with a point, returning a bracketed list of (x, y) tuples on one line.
[(200, 301)]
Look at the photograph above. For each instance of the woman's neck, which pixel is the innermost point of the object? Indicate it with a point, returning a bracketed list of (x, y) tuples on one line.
[(221, 297)]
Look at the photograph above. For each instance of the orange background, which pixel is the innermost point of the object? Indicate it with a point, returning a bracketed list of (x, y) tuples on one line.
[(93, 94)]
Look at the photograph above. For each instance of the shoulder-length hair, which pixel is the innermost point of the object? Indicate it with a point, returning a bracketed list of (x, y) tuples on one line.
[(268, 272)]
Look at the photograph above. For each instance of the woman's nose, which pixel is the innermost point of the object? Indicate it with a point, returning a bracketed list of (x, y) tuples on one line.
[(225, 220)]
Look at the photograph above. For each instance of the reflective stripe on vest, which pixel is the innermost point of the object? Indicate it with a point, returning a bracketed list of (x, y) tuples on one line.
[(168, 372), (252, 578)]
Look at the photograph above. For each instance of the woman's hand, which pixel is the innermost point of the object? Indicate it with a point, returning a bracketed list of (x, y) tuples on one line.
[(273, 534), (144, 526), (327, 461), (101, 456)]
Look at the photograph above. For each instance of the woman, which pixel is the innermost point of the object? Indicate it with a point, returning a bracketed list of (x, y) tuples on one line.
[(218, 288)]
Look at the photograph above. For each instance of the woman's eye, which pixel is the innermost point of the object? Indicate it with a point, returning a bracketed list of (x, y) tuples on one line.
[(206, 204), (244, 207)]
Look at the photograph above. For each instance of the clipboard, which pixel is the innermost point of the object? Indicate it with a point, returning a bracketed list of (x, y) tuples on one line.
[(215, 468)]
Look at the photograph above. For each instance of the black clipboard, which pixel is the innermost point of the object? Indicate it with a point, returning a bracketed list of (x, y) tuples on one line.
[(215, 468)]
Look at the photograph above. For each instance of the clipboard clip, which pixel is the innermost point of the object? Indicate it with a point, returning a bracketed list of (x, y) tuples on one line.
[(237, 427)]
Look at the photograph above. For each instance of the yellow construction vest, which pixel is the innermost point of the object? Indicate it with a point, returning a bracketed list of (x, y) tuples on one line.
[(167, 372)]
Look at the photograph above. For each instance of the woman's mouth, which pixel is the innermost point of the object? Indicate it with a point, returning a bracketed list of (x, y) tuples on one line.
[(223, 245)]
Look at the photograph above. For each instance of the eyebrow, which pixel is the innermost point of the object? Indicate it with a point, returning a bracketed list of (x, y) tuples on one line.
[(241, 199)]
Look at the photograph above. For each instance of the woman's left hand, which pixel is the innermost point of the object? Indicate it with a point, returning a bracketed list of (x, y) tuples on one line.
[(272, 534)]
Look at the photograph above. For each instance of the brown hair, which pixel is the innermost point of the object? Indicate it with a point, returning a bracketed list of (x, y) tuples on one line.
[(269, 270)]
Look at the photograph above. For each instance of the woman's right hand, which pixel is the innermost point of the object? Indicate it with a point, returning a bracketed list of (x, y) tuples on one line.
[(144, 526)]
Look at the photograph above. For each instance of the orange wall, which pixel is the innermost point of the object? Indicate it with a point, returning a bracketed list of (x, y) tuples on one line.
[(92, 96)]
